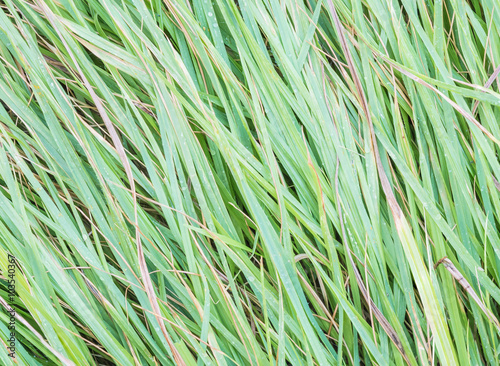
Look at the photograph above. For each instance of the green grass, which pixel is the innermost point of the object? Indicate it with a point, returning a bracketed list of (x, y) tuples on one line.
[(250, 182)]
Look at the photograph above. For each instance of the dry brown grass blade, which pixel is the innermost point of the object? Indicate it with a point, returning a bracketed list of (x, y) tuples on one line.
[(468, 288), (487, 85), (495, 181)]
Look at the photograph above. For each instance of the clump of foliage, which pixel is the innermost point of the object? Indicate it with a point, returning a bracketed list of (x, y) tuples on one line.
[(222, 182)]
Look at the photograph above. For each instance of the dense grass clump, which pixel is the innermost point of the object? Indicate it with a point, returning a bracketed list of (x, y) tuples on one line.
[(264, 182)]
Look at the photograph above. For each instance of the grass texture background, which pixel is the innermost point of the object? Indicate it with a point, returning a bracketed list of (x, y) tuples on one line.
[(264, 182)]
